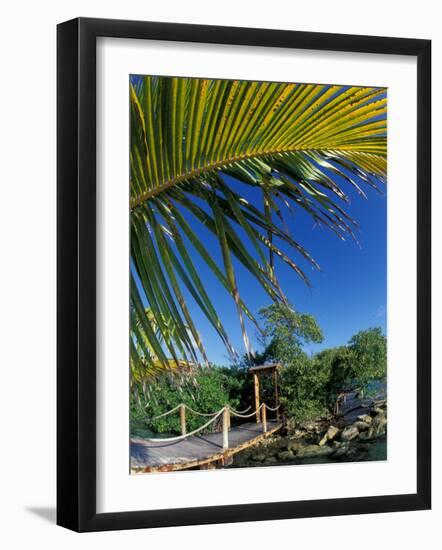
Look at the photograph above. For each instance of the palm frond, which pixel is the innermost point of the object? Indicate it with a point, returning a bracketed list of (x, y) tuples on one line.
[(298, 145)]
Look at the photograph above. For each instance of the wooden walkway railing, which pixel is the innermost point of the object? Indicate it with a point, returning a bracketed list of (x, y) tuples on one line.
[(225, 412)]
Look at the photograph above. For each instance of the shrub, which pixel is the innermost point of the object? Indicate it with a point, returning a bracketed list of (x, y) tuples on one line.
[(206, 391)]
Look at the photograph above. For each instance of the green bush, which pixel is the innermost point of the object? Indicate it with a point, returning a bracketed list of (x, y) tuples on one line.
[(303, 383), (206, 391)]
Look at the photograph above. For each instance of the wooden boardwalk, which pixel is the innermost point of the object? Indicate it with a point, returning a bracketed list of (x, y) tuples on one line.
[(195, 451)]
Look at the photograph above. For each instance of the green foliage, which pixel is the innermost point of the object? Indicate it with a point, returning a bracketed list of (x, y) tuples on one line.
[(302, 388), (361, 362), (207, 391), (370, 350), (302, 382), (310, 385), (285, 331), (339, 364)]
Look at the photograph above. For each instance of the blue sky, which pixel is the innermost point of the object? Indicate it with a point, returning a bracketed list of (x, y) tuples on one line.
[(348, 295)]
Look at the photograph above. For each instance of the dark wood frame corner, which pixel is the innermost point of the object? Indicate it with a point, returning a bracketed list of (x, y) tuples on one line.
[(76, 273)]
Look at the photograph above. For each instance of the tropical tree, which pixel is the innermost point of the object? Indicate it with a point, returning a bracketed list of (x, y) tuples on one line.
[(149, 366), (370, 350), (285, 332), (293, 145)]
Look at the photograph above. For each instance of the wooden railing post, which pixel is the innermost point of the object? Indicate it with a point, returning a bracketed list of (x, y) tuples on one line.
[(264, 418), (226, 425), (256, 385), (183, 419), (275, 382)]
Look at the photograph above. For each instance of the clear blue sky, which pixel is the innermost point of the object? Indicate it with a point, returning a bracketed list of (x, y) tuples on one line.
[(348, 295)]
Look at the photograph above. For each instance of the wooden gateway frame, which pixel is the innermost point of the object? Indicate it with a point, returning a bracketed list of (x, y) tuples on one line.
[(257, 371)]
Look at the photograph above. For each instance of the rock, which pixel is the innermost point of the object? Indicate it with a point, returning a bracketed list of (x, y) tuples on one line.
[(330, 434), (273, 445), (349, 433), (298, 434), (312, 451), (378, 425), (311, 426), (361, 426), (295, 444), (341, 451), (286, 455), (260, 457), (365, 418)]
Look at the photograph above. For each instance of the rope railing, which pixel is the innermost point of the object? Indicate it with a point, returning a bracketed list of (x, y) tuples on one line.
[(198, 413), (234, 411), (183, 436), (253, 413), (164, 414), (273, 409), (226, 412)]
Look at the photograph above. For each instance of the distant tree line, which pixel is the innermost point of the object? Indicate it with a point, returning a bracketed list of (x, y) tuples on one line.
[(309, 384)]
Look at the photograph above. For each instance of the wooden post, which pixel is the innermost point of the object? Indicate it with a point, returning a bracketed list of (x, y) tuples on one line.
[(275, 382), (226, 424), (264, 418), (183, 419), (256, 384)]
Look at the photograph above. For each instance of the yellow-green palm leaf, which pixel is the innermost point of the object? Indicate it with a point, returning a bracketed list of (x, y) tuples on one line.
[(292, 142)]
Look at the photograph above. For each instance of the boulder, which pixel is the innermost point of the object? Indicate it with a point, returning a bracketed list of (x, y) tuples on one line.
[(342, 450), (365, 418), (260, 457), (378, 426), (313, 451), (349, 433), (330, 434), (286, 455), (361, 426), (273, 445), (311, 426), (295, 444)]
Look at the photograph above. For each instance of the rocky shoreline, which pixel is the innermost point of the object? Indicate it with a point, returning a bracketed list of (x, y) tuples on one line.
[(342, 439)]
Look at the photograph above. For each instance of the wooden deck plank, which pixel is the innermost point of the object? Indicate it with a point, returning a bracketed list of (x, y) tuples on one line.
[(196, 450)]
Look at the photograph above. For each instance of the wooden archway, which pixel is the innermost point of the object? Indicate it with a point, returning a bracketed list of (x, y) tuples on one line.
[(271, 369)]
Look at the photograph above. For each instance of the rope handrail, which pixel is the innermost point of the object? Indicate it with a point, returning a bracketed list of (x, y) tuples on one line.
[(214, 416), (234, 411), (164, 414), (199, 413), (273, 409), (176, 408), (251, 414), (179, 437)]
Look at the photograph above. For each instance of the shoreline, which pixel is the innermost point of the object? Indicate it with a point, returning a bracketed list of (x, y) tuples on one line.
[(357, 435)]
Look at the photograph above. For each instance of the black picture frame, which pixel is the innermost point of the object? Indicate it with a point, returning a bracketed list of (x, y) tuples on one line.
[(76, 274)]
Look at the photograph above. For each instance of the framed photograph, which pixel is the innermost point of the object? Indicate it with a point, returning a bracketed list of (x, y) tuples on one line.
[(243, 274)]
